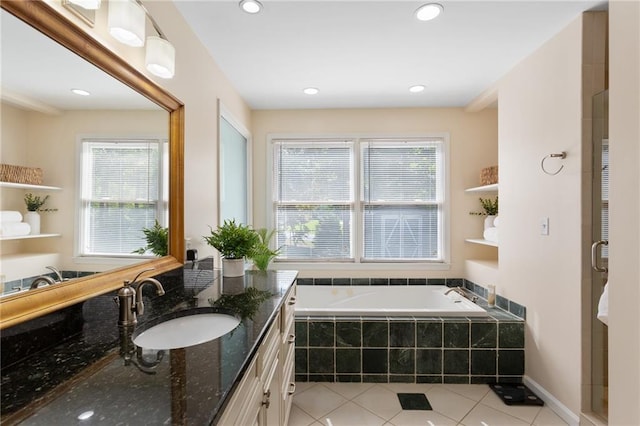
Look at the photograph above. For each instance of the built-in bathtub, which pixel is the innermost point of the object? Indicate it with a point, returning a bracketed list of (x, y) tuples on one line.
[(404, 333), (375, 301)]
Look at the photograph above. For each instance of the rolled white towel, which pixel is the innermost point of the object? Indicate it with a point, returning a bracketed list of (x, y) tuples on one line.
[(15, 229), (491, 234), (496, 221), (10, 216), (603, 305)]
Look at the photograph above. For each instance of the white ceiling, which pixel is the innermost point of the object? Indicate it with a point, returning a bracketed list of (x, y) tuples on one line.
[(37, 73), (368, 53)]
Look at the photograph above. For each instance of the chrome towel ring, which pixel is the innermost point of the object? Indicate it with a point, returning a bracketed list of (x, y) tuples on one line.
[(561, 156)]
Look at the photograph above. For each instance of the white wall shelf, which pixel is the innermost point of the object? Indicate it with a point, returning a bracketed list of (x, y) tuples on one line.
[(28, 237), (28, 186), (481, 241), (484, 188)]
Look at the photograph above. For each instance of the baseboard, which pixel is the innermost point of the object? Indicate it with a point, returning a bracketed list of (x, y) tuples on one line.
[(552, 402)]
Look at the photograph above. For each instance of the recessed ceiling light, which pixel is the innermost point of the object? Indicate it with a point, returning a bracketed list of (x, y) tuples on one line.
[(417, 88), (311, 91), (429, 11), (80, 92), (251, 6)]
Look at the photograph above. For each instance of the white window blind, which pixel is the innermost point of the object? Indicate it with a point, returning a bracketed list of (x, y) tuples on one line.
[(122, 191), (313, 199), (397, 216), (402, 195), (604, 215)]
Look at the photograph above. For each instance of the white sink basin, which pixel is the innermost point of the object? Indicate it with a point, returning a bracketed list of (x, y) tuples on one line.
[(185, 328)]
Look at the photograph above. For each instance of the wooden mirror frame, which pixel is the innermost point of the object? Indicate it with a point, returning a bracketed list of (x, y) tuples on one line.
[(34, 303)]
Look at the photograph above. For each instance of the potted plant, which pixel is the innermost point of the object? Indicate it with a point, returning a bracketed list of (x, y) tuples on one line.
[(262, 254), (157, 240), (34, 206), (490, 209), (234, 241)]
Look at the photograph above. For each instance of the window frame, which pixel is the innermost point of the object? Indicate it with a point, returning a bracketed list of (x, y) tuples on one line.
[(358, 261), (161, 206)]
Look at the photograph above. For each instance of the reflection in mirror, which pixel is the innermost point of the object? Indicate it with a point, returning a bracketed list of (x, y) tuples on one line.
[(44, 126), (106, 151)]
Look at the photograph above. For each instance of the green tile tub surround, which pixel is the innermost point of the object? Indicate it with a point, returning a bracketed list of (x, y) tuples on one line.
[(348, 361), (322, 333), (375, 361), (390, 354), (429, 334), (402, 334), (511, 335), (402, 361), (485, 334), (456, 334), (349, 334), (455, 361), (483, 362), (375, 334), (429, 361), (511, 361), (302, 361), (321, 361)]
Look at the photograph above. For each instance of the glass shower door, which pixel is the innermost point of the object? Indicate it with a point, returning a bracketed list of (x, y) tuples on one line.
[(599, 331)]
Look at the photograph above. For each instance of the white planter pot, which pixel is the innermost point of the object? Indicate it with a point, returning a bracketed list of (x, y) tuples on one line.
[(33, 219), (488, 221), (232, 267)]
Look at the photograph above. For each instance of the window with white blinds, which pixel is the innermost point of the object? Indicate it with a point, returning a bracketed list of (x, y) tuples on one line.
[(359, 199), (123, 190), (402, 196)]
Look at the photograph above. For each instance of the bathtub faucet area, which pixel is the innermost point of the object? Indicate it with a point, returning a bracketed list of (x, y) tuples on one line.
[(46, 279), (463, 292)]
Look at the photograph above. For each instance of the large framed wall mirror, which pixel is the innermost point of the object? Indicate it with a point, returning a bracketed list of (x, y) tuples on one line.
[(131, 106)]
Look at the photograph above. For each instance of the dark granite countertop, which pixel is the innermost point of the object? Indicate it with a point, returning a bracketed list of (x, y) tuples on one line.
[(77, 361)]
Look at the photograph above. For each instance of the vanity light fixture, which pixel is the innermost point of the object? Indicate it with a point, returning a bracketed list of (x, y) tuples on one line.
[(251, 6), (428, 11), (80, 92), (417, 88), (87, 4), (126, 22), (160, 57), (311, 91)]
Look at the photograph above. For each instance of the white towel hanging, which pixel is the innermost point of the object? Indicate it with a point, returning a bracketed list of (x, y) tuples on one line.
[(603, 305)]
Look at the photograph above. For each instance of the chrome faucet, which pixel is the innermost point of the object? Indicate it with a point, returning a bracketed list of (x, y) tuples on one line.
[(129, 298), (55, 271), (47, 279), (463, 292), (42, 278)]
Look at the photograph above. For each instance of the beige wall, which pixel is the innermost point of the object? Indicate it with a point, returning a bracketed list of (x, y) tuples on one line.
[(541, 112), (473, 145), (624, 199)]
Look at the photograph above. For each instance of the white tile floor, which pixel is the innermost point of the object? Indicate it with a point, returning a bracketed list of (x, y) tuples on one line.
[(368, 404)]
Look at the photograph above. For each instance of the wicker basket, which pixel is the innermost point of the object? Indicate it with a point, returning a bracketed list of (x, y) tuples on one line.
[(20, 174), (489, 175)]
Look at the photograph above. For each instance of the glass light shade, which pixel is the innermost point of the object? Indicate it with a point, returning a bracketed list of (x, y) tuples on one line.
[(126, 22), (160, 57), (87, 4)]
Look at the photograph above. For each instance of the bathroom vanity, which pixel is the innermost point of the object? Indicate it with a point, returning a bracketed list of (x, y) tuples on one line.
[(77, 365)]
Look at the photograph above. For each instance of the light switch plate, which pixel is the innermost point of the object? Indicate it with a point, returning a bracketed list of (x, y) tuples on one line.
[(544, 226)]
